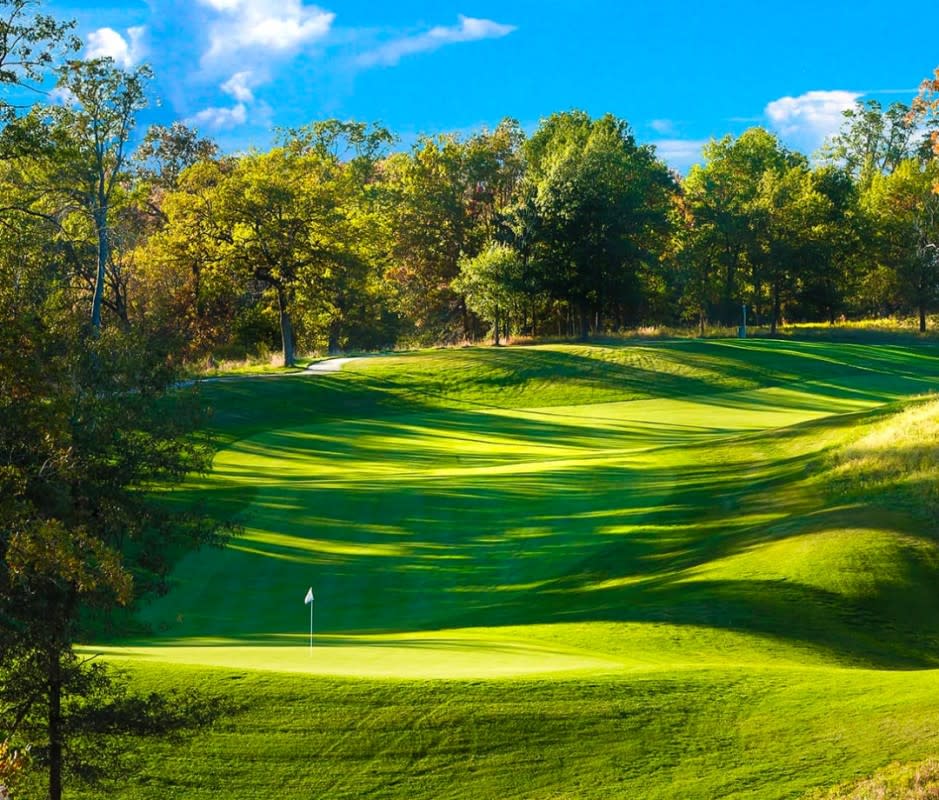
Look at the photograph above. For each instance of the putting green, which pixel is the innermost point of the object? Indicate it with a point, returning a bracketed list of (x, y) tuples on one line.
[(452, 654)]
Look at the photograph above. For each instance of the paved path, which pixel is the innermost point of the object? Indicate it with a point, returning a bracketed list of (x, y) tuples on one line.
[(319, 368), (330, 365)]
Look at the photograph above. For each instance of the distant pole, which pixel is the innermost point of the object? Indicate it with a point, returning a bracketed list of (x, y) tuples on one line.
[(743, 328), (308, 600)]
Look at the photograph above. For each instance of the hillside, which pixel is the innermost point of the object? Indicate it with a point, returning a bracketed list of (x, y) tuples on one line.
[(692, 567)]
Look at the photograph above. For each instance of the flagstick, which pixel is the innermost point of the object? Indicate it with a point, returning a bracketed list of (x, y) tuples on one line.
[(309, 599)]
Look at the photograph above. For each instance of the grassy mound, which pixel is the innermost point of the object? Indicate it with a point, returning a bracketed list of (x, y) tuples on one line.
[(896, 459), (665, 569)]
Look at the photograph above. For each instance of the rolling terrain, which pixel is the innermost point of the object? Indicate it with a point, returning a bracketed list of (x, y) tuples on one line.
[(675, 569)]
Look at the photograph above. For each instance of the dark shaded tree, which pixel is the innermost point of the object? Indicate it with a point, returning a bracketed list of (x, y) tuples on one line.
[(602, 214)]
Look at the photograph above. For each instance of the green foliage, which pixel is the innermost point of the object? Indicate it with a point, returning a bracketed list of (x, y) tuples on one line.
[(165, 153), (601, 213), (29, 45), (493, 286), (90, 423), (76, 178), (905, 211), (444, 200), (873, 141), (296, 222), (90, 429), (371, 248), (731, 200), (789, 216)]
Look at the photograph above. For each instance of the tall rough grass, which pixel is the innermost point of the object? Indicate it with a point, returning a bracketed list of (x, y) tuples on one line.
[(897, 458), (896, 782)]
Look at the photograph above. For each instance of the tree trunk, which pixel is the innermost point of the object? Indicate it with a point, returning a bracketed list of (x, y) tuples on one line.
[(101, 228), (701, 318), (730, 283), (495, 328), (335, 332), (55, 726), (831, 289), (335, 324), (286, 329), (120, 303), (922, 316), (776, 310), (466, 321)]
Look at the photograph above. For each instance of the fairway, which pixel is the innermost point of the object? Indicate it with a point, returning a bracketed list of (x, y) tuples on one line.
[(648, 525)]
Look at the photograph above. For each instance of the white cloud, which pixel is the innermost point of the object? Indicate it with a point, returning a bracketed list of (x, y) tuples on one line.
[(680, 154), (216, 118), (469, 29), (239, 86), (663, 126), (63, 96), (108, 43), (807, 120), (272, 26)]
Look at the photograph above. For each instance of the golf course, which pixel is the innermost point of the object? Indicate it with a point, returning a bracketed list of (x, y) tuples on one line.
[(436, 401), (676, 569)]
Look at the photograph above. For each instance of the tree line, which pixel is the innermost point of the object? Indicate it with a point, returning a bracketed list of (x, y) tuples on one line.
[(334, 239)]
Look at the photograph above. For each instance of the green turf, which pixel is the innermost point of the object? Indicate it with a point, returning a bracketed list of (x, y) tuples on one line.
[(558, 571), (709, 733)]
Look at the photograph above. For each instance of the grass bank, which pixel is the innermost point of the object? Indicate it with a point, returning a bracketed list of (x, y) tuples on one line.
[(661, 569)]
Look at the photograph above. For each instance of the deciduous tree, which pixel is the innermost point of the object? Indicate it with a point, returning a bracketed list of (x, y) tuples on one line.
[(89, 425), (873, 140), (30, 42), (491, 282), (92, 136), (602, 205), (720, 196), (905, 210)]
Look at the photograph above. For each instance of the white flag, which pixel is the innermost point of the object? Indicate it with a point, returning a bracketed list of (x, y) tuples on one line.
[(309, 596)]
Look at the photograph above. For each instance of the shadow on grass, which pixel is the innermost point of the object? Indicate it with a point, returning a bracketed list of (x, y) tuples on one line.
[(513, 377), (567, 518)]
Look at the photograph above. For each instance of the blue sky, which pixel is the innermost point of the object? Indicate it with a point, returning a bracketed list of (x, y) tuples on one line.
[(680, 72)]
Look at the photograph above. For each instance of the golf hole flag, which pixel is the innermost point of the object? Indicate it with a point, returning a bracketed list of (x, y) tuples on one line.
[(308, 600)]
